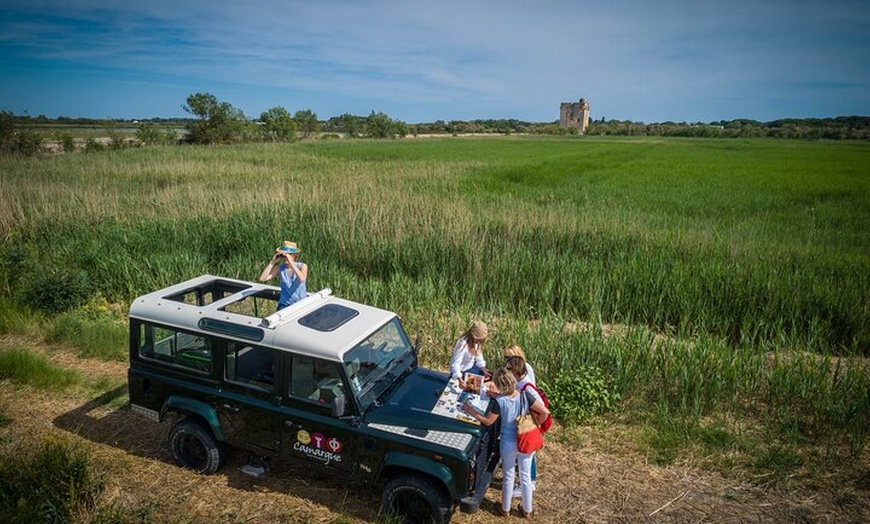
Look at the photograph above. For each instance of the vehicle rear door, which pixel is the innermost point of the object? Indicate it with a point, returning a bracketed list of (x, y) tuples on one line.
[(248, 402)]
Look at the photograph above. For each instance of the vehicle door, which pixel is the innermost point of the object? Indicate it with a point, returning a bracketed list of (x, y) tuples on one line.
[(248, 402), (312, 432)]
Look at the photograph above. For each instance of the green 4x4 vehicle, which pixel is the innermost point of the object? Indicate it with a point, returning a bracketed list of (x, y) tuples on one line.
[(328, 383)]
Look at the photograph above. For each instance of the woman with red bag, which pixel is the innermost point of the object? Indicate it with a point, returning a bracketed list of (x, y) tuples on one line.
[(509, 405)]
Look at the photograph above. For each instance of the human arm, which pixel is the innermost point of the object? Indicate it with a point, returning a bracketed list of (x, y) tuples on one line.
[(487, 420), (301, 270), (272, 268), (539, 411)]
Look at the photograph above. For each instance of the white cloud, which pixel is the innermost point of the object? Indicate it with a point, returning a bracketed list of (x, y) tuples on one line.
[(631, 59)]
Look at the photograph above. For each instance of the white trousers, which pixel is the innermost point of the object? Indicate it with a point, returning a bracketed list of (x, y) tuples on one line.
[(510, 458)]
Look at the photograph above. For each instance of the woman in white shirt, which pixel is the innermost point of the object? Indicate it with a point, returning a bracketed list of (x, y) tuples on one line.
[(468, 352)]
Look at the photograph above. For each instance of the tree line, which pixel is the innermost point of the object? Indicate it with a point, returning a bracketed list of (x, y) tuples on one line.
[(839, 128), (213, 121)]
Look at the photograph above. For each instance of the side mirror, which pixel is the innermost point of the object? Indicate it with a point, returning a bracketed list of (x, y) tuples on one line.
[(338, 405)]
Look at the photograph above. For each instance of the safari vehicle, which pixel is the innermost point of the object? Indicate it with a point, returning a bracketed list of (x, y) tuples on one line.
[(328, 383)]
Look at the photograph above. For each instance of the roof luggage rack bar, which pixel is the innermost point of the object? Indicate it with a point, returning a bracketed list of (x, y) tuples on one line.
[(309, 302)]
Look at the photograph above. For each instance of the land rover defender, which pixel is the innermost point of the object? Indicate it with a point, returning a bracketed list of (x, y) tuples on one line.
[(326, 382)]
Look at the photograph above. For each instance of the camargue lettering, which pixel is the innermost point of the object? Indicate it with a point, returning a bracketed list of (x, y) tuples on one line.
[(317, 452)]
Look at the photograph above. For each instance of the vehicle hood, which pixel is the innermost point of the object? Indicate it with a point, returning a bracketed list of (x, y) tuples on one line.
[(411, 403)]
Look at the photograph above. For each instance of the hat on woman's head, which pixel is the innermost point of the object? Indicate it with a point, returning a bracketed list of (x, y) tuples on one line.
[(288, 247), (513, 351), (479, 330)]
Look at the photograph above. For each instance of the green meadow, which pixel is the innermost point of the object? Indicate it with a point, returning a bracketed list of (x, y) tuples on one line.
[(707, 280)]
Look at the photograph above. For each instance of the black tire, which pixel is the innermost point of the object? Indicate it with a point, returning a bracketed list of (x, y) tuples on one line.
[(416, 499), (194, 447)]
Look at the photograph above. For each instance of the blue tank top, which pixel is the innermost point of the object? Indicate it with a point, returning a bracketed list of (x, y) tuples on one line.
[(292, 289)]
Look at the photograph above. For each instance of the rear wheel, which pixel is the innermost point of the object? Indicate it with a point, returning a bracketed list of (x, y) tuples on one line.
[(416, 499), (194, 447)]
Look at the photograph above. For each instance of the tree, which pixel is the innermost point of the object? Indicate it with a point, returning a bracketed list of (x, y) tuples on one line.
[(306, 121), (380, 125), (350, 125), (219, 122), (149, 134), (16, 138), (278, 125)]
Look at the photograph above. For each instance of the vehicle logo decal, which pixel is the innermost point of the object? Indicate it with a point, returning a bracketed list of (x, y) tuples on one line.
[(317, 446)]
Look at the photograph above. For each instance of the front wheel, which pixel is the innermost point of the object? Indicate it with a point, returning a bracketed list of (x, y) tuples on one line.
[(194, 447), (416, 499)]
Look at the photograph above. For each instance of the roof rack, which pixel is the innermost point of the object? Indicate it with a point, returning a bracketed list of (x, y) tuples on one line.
[(310, 302)]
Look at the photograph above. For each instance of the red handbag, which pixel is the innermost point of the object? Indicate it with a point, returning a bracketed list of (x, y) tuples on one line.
[(529, 437)]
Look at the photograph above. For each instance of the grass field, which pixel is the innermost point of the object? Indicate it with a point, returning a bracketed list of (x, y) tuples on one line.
[(717, 284)]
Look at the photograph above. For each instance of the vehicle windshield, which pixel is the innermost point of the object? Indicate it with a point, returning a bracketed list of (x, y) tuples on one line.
[(374, 364)]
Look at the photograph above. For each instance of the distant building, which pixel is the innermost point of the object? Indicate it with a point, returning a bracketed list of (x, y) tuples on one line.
[(575, 114)]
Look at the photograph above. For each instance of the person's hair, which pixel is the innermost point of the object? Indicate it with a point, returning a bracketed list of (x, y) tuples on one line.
[(516, 365), (513, 350), (504, 380), (473, 348)]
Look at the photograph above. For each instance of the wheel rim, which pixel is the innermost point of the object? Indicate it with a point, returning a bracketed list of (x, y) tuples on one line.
[(192, 451), (413, 507)]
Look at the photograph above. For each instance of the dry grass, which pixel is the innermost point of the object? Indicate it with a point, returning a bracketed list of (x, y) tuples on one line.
[(598, 477)]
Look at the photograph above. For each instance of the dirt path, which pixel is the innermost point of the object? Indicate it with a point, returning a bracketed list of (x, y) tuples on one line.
[(576, 484)]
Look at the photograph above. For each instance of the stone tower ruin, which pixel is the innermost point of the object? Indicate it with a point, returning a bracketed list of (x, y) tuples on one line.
[(575, 114)]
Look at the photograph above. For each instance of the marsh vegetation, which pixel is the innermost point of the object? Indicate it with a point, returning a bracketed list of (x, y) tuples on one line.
[(716, 292)]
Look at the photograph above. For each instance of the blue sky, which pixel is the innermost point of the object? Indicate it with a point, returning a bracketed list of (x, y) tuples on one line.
[(649, 61)]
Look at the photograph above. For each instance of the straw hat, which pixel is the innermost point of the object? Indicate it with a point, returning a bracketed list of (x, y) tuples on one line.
[(479, 330), (288, 247)]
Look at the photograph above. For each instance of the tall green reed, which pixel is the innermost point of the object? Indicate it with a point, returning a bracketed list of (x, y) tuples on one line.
[(727, 248)]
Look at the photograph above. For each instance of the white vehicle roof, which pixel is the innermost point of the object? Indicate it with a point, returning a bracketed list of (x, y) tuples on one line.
[(230, 315)]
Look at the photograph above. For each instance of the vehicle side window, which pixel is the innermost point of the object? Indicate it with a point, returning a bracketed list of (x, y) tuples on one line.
[(250, 365), (177, 348), (315, 380)]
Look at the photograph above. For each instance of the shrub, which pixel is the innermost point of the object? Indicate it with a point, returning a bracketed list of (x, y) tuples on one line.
[(17, 256), (67, 143), (92, 145), (54, 290), (52, 484), (580, 395), (16, 139), (149, 134)]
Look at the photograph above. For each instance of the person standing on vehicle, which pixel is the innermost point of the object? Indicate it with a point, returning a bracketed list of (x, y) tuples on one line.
[(291, 273), (468, 352), (508, 406)]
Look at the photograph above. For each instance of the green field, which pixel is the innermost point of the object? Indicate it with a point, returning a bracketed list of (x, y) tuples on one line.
[(704, 278)]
